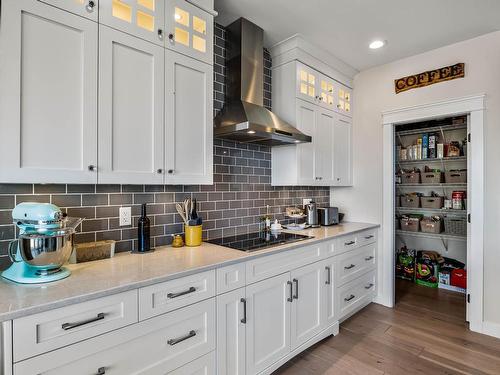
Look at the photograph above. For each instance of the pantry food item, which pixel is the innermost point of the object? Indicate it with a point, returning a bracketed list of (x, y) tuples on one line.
[(454, 149), (440, 150), (427, 268), (457, 200), (405, 263)]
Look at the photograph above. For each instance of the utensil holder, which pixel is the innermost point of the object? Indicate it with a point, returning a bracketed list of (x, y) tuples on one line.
[(192, 235)]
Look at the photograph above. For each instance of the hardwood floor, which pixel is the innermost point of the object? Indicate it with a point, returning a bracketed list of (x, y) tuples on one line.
[(425, 333)]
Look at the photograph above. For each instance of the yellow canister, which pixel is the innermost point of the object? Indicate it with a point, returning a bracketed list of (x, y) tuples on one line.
[(192, 235)]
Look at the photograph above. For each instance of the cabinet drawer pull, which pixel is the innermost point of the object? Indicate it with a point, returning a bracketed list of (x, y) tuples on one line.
[(101, 371), (349, 267), (175, 295), (369, 286), (67, 326), (349, 243), (296, 295), (369, 258), (328, 276), (290, 299), (368, 237), (181, 339), (244, 301), (347, 299)]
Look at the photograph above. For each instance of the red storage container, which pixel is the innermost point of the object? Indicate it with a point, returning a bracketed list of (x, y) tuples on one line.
[(459, 278)]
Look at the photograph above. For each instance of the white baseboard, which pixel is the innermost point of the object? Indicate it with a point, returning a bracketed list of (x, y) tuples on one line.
[(491, 329), (332, 330)]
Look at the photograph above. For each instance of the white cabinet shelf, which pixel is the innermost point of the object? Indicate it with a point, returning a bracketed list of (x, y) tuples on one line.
[(442, 236), (438, 211), (428, 161), (443, 185)]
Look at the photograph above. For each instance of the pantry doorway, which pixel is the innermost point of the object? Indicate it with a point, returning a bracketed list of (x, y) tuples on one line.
[(408, 127)]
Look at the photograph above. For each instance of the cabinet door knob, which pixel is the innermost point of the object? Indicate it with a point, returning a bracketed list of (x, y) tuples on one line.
[(171, 37), (92, 168), (160, 34), (159, 171), (90, 6), (170, 171), (101, 371)]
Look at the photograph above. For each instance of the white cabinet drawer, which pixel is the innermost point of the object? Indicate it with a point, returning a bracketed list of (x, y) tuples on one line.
[(40, 333), (160, 298), (366, 237), (330, 248), (352, 264), (155, 346), (231, 277), (201, 366), (268, 266), (355, 240), (355, 294)]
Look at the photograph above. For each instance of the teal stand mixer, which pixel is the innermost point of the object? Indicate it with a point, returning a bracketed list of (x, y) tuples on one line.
[(44, 244)]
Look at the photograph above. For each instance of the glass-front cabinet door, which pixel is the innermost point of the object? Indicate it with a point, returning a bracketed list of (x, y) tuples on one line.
[(344, 100), (326, 92), (307, 82), (189, 29), (142, 18)]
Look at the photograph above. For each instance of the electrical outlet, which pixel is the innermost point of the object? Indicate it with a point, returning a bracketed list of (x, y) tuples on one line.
[(306, 201), (125, 216)]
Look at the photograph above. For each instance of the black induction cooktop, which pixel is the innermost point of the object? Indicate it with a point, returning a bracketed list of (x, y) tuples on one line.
[(258, 240)]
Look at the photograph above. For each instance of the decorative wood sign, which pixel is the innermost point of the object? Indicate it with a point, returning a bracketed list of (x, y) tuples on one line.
[(430, 77)]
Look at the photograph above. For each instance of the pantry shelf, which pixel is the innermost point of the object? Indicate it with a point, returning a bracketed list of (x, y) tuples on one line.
[(443, 185), (429, 161), (440, 211), (441, 236), (432, 129)]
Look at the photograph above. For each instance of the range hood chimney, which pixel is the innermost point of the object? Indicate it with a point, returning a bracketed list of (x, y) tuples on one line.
[(244, 117)]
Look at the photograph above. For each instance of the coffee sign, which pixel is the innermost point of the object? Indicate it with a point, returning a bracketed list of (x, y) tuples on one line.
[(430, 77)]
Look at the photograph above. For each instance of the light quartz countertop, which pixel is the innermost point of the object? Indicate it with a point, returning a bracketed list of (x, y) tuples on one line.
[(127, 271)]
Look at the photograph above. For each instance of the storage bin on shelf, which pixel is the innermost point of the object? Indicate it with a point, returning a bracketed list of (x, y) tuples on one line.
[(456, 176), (455, 225), (410, 178), (432, 177), (410, 224), (431, 202), (410, 201), (431, 225)]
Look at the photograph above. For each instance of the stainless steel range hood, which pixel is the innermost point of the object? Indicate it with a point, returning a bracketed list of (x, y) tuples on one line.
[(244, 117)]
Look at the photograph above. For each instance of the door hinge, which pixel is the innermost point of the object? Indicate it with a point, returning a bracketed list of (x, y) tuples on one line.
[(468, 298), (468, 137), (468, 218)]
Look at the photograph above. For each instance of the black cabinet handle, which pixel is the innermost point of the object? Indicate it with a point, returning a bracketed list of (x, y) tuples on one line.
[(369, 286), (349, 243), (290, 299), (349, 267), (67, 326), (369, 258), (328, 275), (181, 339), (175, 295), (244, 301), (296, 295), (347, 299), (368, 237), (101, 371)]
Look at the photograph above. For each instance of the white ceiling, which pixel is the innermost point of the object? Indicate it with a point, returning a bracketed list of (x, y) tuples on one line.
[(345, 28)]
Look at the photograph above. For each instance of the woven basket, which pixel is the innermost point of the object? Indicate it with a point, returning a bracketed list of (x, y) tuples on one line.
[(456, 226)]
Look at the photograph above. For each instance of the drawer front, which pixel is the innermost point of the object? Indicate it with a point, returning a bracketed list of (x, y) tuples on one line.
[(269, 266), (355, 294), (40, 333), (156, 346), (366, 237), (160, 298), (231, 277), (331, 248), (201, 366), (352, 264), (355, 240)]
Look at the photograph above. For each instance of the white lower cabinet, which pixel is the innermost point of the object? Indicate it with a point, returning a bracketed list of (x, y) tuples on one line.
[(202, 366), (308, 309), (231, 332), (330, 294), (268, 322)]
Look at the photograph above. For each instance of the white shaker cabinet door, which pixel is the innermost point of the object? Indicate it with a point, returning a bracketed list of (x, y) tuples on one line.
[(323, 143), (306, 123), (342, 151), (188, 120), (330, 287), (84, 8), (131, 96), (48, 91), (268, 322), (142, 18), (308, 313), (231, 329)]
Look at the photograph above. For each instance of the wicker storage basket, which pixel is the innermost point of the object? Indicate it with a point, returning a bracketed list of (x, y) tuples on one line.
[(410, 178), (432, 177), (428, 225), (410, 224), (456, 177), (431, 202), (410, 201), (456, 226)]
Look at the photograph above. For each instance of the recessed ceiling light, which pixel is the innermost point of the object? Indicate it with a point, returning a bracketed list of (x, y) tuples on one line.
[(376, 44), (251, 132)]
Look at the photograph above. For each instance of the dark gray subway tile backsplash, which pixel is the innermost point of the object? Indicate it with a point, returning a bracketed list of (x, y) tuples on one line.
[(234, 204)]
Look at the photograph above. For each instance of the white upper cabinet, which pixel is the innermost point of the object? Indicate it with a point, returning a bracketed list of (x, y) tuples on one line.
[(306, 156), (131, 105), (84, 8), (342, 153), (188, 120), (307, 82), (189, 28), (142, 18), (48, 91), (344, 100)]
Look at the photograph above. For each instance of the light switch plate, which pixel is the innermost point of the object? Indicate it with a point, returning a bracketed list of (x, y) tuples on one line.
[(306, 201), (125, 216)]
